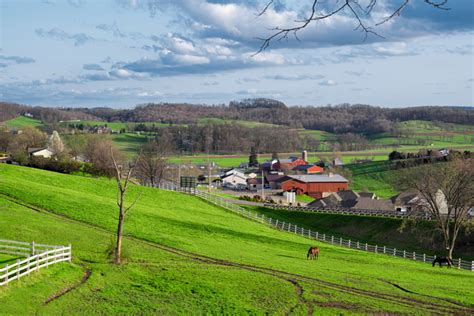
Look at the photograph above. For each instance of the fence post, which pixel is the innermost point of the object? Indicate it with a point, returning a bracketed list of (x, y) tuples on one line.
[(459, 263), (376, 248), (394, 251), (357, 245), (349, 243), (414, 255), (28, 264), (317, 235), (365, 246), (47, 259), (70, 252), (340, 241), (404, 254), (276, 223), (324, 237), (33, 248), (6, 267), (296, 227), (18, 268), (424, 257), (472, 266), (384, 249), (309, 233)]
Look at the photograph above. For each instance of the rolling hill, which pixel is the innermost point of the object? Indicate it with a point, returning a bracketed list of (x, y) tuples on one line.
[(184, 254)]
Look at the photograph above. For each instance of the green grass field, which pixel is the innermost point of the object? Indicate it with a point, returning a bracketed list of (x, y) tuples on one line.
[(22, 122), (341, 281), (419, 236)]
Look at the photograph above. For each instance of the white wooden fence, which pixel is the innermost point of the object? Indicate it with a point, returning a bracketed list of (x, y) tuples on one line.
[(292, 228), (37, 256)]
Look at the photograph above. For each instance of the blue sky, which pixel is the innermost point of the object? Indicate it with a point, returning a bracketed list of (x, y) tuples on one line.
[(120, 53)]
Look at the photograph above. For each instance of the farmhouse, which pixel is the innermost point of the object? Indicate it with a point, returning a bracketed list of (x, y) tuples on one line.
[(315, 185), (40, 152), (353, 200), (234, 178)]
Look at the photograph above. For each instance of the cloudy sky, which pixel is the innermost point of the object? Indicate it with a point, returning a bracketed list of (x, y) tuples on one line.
[(121, 53)]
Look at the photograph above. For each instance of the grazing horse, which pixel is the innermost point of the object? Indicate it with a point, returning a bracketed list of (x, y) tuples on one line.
[(441, 260), (312, 253)]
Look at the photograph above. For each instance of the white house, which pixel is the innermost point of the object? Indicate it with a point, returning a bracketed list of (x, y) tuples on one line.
[(234, 178), (40, 152), (234, 181)]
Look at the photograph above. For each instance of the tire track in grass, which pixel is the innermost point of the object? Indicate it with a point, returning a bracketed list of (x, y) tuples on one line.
[(456, 307), (87, 273)]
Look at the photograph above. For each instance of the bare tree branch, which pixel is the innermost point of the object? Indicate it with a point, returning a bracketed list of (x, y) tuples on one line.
[(355, 9)]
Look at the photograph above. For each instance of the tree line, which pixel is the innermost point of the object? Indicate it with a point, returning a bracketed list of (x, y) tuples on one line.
[(344, 118)]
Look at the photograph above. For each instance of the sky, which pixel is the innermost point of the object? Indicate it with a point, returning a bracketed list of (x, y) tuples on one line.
[(120, 53)]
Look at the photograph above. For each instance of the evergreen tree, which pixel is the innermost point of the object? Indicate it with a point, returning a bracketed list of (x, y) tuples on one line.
[(253, 162)]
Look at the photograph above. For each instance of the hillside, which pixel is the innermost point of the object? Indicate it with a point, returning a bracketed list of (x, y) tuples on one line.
[(391, 232), (341, 280)]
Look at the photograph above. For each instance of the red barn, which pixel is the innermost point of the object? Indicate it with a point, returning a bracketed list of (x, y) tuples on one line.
[(288, 164), (308, 169), (315, 185)]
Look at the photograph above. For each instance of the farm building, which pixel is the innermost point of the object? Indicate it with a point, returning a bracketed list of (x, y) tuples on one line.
[(275, 180), (40, 152), (234, 178), (255, 184), (353, 200), (308, 169), (315, 185), (288, 164)]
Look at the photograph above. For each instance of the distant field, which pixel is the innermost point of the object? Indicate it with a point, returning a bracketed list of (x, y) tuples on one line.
[(250, 124), (21, 122), (156, 281), (129, 143)]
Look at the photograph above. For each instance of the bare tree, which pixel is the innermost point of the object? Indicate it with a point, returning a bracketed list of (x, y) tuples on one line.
[(122, 176), (151, 166), (358, 9), (446, 191)]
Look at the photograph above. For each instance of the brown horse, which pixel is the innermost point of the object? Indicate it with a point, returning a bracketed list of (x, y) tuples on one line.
[(313, 252), (441, 260)]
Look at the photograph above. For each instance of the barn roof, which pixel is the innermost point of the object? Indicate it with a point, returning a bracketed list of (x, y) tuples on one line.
[(319, 178)]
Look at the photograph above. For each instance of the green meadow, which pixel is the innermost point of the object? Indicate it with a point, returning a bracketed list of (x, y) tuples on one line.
[(22, 122), (186, 256)]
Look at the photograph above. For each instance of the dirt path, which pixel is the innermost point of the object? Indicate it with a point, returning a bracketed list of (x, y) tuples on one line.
[(434, 305), (85, 277)]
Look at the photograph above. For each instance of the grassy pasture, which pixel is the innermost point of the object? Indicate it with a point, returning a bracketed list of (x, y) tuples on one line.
[(374, 230), (22, 122), (190, 224), (152, 281), (251, 124)]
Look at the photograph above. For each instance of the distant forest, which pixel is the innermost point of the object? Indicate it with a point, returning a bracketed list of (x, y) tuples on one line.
[(344, 118), (351, 123)]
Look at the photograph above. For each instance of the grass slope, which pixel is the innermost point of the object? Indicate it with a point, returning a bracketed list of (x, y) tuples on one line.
[(190, 224), (22, 121), (152, 281), (375, 231)]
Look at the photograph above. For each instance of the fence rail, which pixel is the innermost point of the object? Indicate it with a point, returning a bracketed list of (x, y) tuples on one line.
[(37, 256), (295, 229), (348, 211)]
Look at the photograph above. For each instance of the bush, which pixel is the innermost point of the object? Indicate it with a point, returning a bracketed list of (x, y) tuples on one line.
[(62, 166)]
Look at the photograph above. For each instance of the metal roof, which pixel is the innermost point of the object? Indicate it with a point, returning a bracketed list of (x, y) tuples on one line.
[(319, 178)]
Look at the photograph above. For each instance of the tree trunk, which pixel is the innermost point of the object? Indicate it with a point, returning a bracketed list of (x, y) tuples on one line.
[(118, 248)]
